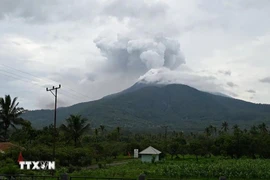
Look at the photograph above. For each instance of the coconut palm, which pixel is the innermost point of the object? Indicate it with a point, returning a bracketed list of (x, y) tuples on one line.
[(75, 128), (118, 129), (236, 129), (207, 132), (225, 126), (263, 128), (253, 130), (10, 114), (96, 134), (102, 128)]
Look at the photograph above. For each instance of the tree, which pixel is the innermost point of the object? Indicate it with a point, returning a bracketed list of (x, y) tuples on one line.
[(173, 148), (102, 128), (96, 134), (75, 128), (10, 114), (225, 126), (236, 129), (210, 131), (118, 132), (263, 128), (207, 132), (196, 148), (253, 130)]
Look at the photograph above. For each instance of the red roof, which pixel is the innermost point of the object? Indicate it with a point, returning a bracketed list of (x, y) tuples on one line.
[(6, 145)]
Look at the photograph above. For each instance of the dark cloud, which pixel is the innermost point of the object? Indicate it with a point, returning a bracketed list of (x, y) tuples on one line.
[(251, 91), (231, 84), (265, 80)]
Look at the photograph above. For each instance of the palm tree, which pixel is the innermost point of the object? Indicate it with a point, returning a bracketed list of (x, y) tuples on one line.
[(236, 129), (102, 128), (213, 130), (118, 129), (1, 132), (225, 126), (263, 128), (253, 130), (10, 114), (96, 134), (75, 128), (207, 131)]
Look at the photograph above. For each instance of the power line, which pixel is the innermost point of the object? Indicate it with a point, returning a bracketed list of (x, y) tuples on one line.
[(40, 79), (19, 70), (12, 77), (21, 78), (43, 79)]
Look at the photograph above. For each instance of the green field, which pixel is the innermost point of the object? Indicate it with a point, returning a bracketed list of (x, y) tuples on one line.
[(206, 168)]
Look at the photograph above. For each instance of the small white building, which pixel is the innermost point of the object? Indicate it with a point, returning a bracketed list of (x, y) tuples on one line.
[(150, 154), (136, 153)]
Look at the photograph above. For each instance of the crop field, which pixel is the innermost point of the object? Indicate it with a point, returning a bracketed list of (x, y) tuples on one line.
[(211, 168)]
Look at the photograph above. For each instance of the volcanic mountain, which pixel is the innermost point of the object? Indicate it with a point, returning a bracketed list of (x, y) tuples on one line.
[(150, 106)]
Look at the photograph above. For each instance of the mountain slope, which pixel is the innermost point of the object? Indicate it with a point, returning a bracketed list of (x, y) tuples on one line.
[(179, 106)]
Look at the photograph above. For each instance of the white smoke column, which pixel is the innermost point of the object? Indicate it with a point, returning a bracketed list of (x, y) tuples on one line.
[(152, 59), (164, 76), (137, 56)]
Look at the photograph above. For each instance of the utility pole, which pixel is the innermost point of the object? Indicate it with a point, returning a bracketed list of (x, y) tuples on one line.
[(165, 135), (55, 106)]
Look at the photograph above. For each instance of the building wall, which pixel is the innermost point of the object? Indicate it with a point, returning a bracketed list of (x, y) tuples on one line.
[(148, 157)]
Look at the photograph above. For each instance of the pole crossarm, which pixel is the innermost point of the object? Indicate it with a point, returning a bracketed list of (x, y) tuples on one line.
[(53, 88)]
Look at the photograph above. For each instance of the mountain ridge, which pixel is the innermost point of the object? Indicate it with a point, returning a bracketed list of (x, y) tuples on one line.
[(149, 107)]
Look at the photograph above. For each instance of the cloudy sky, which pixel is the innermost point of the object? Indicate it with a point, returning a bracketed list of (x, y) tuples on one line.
[(97, 47)]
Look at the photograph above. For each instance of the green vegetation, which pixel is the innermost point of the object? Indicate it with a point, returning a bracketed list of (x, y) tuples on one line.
[(188, 168), (87, 150), (75, 128), (146, 108), (9, 114)]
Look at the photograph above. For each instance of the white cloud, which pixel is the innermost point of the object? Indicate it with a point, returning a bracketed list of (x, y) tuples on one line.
[(103, 50), (183, 76)]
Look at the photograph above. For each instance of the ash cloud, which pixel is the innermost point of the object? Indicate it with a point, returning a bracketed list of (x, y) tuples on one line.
[(137, 56), (182, 76)]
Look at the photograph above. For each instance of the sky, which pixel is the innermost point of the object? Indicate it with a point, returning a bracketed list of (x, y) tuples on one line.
[(94, 48)]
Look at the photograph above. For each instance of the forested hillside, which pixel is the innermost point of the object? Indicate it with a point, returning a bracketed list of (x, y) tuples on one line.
[(178, 106)]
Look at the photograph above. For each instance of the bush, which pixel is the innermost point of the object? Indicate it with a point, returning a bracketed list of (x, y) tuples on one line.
[(9, 169)]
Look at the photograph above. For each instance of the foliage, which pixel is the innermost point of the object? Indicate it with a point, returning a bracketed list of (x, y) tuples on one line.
[(226, 149), (9, 114), (213, 168), (75, 128), (179, 106)]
